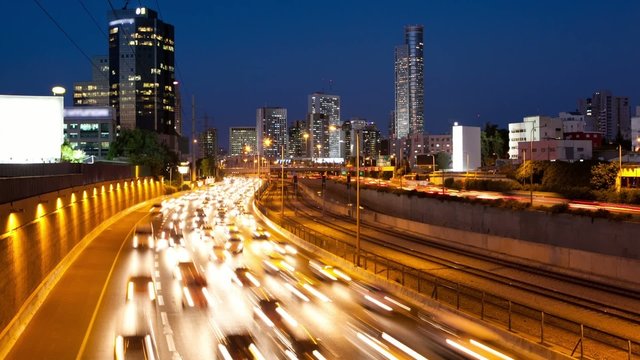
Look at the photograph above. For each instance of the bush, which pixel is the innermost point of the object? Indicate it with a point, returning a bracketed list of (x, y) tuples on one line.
[(559, 208), (168, 189), (185, 187)]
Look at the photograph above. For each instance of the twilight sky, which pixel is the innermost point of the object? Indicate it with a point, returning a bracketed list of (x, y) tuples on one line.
[(490, 60)]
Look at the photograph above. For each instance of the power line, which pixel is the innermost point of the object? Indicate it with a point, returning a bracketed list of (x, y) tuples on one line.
[(66, 34), (92, 18)]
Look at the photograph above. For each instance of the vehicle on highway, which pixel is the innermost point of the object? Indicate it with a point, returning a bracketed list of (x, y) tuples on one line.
[(240, 346), (376, 299), (261, 234), (328, 272), (274, 266), (193, 284), (235, 244), (141, 286), (143, 237), (283, 247), (242, 276), (135, 347), (219, 254)]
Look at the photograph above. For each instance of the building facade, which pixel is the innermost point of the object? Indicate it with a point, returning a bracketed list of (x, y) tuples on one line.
[(635, 131), (409, 83), (607, 114), (90, 129), (329, 106), (208, 144), (271, 124), (553, 149), (141, 70), (533, 128), (240, 137), (319, 135), (466, 148), (298, 139), (96, 91)]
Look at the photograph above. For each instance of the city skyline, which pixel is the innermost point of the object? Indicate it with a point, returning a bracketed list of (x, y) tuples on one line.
[(494, 62)]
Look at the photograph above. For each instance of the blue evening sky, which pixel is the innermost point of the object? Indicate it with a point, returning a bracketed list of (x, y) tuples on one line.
[(485, 61)]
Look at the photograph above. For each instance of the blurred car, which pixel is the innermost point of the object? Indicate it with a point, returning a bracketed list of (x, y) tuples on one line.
[(141, 286), (219, 254), (244, 277), (194, 285), (143, 237), (239, 347), (302, 287), (261, 234), (274, 266), (376, 299), (235, 244), (327, 272), (283, 247), (135, 347)]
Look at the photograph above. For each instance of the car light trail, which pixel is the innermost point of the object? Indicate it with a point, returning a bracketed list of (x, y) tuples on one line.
[(490, 350), (465, 350), (377, 347), (409, 351)]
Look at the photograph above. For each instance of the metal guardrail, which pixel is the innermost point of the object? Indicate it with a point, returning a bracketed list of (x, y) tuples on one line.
[(578, 339)]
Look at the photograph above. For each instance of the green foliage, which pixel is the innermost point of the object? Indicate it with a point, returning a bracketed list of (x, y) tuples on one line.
[(560, 174), (492, 185), (603, 176), (142, 147), (68, 154), (494, 143), (443, 160)]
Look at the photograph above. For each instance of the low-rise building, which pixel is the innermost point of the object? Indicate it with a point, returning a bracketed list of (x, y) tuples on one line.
[(553, 149), (90, 129)]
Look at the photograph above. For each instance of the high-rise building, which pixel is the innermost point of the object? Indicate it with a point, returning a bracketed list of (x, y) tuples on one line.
[(141, 70), (240, 137), (208, 144), (178, 108), (409, 83), (271, 124), (319, 135), (96, 91), (328, 105), (370, 146), (297, 141), (607, 114)]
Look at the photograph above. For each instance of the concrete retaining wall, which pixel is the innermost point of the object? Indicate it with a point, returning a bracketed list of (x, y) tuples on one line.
[(591, 248), (38, 232)]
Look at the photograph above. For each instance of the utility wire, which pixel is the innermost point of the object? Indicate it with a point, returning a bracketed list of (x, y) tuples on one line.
[(92, 18), (66, 34)]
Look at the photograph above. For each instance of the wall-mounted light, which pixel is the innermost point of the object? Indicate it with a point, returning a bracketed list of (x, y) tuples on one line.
[(16, 210)]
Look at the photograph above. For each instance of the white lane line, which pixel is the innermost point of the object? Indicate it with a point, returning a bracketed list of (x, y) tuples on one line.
[(165, 319), (157, 273), (160, 300), (158, 286), (170, 344), (157, 265)]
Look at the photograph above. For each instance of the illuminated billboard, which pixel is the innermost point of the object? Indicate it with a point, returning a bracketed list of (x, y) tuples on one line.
[(31, 128)]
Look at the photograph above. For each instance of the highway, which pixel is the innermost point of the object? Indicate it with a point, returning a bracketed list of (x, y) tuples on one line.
[(285, 307)]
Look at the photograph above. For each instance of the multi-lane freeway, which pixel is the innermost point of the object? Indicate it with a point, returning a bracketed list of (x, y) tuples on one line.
[(200, 278)]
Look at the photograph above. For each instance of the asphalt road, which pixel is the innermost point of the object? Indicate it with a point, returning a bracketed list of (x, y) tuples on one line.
[(64, 329)]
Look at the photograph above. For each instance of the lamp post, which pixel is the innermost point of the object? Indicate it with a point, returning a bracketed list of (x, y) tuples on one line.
[(306, 149), (282, 180), (357, 198), (267, 143), (533, 129)]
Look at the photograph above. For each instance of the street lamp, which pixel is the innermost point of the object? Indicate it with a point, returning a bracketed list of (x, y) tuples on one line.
[(282, 180), (193, 158), (267, 143), (357, 133), (306, 137), (319, 147)]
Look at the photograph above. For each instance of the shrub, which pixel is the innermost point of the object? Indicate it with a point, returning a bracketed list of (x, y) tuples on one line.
[(168, 189)]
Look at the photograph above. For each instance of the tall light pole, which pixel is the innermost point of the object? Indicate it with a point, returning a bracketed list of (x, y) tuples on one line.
[(267, 142), (357, 197), (282, 180), (533, 129)]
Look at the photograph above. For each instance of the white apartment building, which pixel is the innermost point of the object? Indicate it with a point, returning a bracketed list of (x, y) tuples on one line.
[(533, 128)]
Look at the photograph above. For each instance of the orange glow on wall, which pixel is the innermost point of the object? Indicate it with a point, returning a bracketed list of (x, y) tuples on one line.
[(84, 194), (59, 203), (110, 187), (73, 198), (102, 189), (40, 211), (12, 222)]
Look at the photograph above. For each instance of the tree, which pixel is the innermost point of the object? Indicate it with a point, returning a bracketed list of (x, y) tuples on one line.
[(603, 176), (443, 161), (68, 154), (141, 147), (494, 143)]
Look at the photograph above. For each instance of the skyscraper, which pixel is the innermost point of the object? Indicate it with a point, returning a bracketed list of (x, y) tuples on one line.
[(240, 138), (141, 70), (208, 143), (607, 114), (409, 83), (297, 140), (96, 91), (271, 123), (319, 135), (328, 105)]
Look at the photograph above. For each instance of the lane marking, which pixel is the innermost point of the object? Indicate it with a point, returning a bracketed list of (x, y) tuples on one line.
[(157, 273), (158, 286), (165, 319), (170, 344), (157, 264), (160, 300)]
